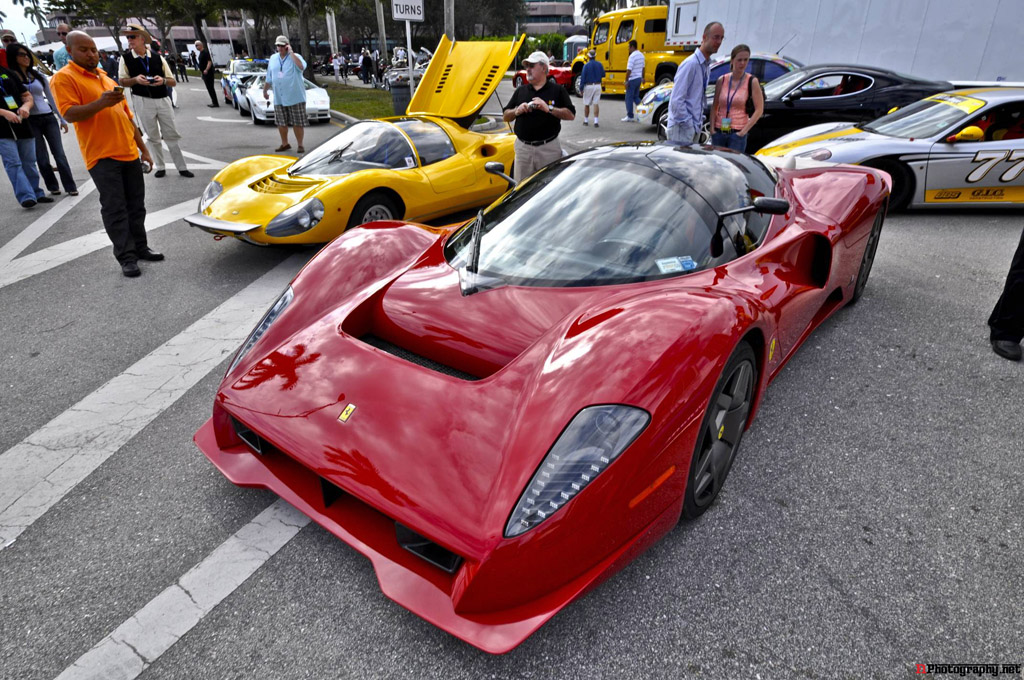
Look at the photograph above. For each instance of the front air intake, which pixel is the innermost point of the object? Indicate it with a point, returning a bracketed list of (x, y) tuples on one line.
[(427, 549), (255, 442)]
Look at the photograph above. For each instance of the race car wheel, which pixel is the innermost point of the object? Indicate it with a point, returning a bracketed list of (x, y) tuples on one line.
[(661, 122), (721, 431), (902, 182), (242, 112), (517, 82), (255, 120), (577, 84), (375, 205), (869, 259)]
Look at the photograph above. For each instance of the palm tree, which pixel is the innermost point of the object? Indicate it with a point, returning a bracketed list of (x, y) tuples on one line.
[(594, 8), (33, 11)]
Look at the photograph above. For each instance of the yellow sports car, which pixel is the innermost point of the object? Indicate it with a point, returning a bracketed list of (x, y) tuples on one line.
[(417, 167)]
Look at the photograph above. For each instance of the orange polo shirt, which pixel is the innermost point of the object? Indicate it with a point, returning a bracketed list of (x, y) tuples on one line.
[(110, 133)]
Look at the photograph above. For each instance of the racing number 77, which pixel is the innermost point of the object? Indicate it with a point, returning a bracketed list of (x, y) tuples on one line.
[(989, 159)]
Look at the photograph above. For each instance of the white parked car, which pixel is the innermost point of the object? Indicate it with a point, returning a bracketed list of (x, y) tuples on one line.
[(318, 102)]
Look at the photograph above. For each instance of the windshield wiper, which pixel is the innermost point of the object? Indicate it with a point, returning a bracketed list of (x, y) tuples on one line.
[(469, 281), (336, 156)]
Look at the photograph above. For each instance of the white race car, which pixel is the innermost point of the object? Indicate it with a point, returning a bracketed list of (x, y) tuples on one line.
[(962, 147), (318, 102)]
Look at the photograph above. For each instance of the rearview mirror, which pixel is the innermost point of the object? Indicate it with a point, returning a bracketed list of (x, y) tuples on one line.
[(793, 96), (892, 110), (971, 133), (496, 168)]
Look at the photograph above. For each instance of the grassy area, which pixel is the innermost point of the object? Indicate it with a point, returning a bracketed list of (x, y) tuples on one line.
[(357, 101)]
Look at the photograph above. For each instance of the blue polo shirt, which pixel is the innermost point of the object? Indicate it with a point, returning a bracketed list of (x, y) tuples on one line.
[(593, 73), (285, 79)]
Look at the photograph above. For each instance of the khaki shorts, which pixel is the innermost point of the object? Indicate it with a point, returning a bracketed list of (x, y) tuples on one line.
[(592, 94), (530, 159)]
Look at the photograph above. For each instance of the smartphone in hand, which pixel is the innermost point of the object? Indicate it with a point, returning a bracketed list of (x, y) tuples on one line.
[(118, 89)]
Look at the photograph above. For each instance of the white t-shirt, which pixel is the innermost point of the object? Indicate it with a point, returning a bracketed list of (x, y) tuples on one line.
[(635, 65)]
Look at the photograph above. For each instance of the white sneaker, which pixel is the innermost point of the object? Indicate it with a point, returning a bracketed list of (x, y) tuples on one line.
[(627, 119)]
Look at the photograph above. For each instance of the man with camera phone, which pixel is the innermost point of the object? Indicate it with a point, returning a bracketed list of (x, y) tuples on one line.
[(538, 108), (150, 79)]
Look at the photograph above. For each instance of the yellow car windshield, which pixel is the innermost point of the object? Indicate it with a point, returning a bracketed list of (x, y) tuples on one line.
[(370, 144)]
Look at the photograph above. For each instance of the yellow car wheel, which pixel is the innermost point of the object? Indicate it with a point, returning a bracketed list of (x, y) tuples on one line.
[(376, 205)]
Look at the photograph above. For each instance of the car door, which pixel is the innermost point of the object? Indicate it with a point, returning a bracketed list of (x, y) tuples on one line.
[(615, 71), (989, 170)]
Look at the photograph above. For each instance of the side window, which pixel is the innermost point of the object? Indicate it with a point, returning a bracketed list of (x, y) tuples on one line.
[(717, 71), (601, 33), (835, 85), (1002, 123), (772, 71), (431, 142), (655, 25), (625, 32)]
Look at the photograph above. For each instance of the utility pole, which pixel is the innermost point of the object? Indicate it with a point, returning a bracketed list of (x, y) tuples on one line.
[(248, 39), (382, 42), (449, 19), (332, 32)]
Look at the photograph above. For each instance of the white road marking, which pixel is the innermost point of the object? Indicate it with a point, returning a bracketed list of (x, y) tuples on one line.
[(151, 631), (29, 234), (48, 258), (47, 464), (210, 163), (211, 119)]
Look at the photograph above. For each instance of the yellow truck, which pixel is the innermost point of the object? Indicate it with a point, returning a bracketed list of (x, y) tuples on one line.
[(610, 40)]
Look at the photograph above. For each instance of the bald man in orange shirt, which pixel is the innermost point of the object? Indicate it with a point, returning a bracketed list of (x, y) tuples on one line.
[(111, 145)]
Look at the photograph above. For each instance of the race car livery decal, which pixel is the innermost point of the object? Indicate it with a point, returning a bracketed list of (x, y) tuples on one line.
[(965, 104), (781, 149), (977, 194), (989, 159)]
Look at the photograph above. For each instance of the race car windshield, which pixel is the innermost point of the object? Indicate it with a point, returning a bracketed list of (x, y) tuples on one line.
[(365, 145), (594, 222), (250, 66), (924, 118)]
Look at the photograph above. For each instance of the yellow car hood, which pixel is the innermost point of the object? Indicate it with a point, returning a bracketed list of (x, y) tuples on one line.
[(261, 199), (461, 77)]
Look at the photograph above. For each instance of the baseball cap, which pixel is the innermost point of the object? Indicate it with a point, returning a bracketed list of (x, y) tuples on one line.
[(537, 57), (592, 54), (281, 40)]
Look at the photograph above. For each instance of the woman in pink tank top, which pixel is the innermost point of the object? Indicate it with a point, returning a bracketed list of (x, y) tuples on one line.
[(738, 103)]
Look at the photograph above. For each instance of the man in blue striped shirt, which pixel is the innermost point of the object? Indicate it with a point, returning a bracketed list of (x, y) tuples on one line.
[(686, 105)]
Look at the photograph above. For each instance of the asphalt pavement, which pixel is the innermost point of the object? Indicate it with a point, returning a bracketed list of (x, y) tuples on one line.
[(872, 521)]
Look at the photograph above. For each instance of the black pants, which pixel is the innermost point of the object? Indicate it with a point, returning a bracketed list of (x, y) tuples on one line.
[(46, 130), (1007, 319), (122, 205), (208, 79), (182, 73)]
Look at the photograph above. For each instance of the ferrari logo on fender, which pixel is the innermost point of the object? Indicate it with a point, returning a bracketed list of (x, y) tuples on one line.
[(771, 350), (721, 431), (347, 413)]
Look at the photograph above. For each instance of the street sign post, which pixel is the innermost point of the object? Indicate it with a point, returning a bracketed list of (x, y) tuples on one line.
[(407, 11)]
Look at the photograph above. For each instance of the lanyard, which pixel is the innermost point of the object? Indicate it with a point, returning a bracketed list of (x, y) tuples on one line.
[(732, 95)]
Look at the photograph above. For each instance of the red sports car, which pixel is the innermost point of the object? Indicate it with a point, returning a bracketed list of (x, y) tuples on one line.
[(561, 74), (500, 415)]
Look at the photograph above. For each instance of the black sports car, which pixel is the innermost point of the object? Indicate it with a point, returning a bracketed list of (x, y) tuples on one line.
[(834, 93)]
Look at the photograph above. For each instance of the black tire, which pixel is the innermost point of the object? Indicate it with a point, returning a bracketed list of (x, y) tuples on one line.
[(255, 120), (517, 81), (664, 77), (868, 259), (661, 121), (902, 182), (721, 431), (242, 112), (577, 84), (375, 205)]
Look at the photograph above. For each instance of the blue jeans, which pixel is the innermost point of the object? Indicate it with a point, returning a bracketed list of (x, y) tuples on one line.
[(729, 140), (681, 133), (19, 156), (47, 131), (632, 95)]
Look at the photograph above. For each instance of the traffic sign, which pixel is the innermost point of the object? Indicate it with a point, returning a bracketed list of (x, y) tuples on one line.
[(407, 10)]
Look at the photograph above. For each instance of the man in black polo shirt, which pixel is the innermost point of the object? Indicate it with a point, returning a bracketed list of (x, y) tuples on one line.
[(538, 108), (205, 65)]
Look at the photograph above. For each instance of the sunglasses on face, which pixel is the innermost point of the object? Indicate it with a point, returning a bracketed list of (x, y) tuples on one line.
[(8, 40), (62, 32), (131, 37)]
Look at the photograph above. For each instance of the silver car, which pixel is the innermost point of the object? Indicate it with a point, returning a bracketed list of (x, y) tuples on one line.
[(962, 147)]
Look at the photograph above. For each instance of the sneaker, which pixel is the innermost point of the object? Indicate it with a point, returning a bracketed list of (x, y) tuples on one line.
[(44, 199), (627, 119), (585, 123), (596, 125), (28, 203)]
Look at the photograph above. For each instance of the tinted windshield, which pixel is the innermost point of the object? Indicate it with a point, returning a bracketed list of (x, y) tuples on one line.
[(368, 144), (593, 222), (925, 118)]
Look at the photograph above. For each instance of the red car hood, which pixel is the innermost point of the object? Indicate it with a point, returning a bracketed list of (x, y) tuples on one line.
[(441, 454)]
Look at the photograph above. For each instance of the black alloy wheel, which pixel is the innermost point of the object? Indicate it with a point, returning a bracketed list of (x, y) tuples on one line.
[(721, 431), (868, 259), (902, 182)]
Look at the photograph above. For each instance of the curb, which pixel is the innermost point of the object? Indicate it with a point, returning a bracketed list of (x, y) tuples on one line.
[(343, 117)]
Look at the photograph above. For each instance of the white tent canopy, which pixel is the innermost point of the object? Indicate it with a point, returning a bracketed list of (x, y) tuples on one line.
[(103, 42)]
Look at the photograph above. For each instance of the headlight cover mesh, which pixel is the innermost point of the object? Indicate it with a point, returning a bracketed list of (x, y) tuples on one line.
[(594, 438)]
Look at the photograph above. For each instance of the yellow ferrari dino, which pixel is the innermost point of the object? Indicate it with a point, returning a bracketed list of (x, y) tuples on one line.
[(420, 166)]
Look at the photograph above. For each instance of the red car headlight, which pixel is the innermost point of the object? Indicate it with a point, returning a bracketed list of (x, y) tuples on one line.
[(585, 449)]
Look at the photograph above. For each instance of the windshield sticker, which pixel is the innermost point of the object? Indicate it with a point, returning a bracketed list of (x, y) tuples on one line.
[(965, 104), (674, 265), (409, 162)]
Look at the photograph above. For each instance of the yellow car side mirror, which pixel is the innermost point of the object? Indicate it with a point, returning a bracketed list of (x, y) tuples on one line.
[(971, 133), (892, 110)]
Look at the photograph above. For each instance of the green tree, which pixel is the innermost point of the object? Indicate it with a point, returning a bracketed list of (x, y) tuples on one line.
[(112, 14)]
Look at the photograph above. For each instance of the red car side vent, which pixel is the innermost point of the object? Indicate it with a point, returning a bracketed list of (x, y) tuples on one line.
[(427, 549), (412, 358)]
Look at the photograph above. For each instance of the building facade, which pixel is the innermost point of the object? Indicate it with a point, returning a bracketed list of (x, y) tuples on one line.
[(544, 16)]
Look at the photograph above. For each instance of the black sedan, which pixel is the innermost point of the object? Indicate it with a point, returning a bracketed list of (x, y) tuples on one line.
[(834, 93)]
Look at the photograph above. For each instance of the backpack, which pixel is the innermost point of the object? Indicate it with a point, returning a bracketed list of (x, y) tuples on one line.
[(750, 95)]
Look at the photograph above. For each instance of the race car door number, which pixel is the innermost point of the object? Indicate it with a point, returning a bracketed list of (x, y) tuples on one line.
[(989, 159)]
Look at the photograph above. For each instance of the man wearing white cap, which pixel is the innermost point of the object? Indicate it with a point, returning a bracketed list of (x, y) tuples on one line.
[(284, 75), (538, 108)]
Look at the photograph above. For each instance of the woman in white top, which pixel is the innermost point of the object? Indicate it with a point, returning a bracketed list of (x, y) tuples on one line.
[(738, 104)]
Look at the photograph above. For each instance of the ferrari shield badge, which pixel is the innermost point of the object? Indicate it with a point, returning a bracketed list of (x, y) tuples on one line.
[(347, 413)]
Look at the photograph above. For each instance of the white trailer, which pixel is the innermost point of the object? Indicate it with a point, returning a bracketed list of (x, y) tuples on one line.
[(939, 39)]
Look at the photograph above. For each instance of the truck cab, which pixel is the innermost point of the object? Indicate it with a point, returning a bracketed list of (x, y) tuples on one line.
[(610, 40)]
